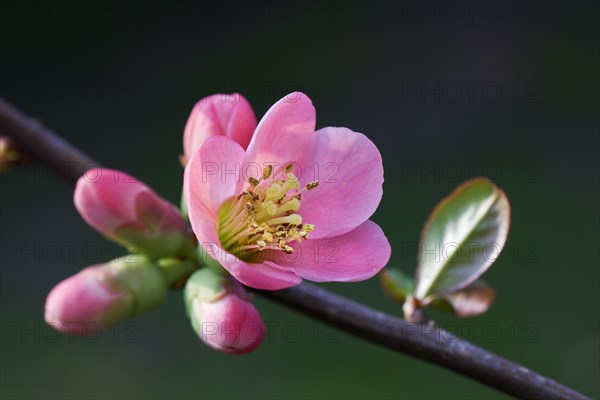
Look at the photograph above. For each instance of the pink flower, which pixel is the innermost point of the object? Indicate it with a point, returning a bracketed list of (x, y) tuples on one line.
[(218, 115), (102, 295), (294, 205), (129, 212), (222, 314)]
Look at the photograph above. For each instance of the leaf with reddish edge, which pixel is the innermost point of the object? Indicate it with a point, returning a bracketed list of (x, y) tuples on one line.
[(470, 301), (462, 237)]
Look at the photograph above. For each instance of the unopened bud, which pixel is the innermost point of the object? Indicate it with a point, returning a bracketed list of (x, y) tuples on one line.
[(219, 114), (105, 294), (130, 213), (221, 313)]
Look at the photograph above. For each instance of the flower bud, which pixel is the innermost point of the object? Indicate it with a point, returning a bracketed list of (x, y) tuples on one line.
[(219, 114), (103, 295), (221, 313), (10, 154), (130, 213)]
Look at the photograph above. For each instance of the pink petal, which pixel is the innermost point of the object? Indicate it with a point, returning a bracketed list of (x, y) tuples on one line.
[(211, 177), (259, 276), (284, 134), (219, 114), (242, 122), (349, 169), (354, 256)]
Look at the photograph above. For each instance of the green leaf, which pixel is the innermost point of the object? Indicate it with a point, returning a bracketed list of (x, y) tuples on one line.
[(397, 284), (470, 301), (462, 237)]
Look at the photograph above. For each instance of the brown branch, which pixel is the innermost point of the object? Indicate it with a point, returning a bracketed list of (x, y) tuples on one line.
[(425, 342)]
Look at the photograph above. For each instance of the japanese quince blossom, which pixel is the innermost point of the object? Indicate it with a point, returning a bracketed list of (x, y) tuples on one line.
[(257, 213)]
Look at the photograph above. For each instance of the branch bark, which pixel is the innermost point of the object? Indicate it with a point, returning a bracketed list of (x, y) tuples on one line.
[(425, 342)]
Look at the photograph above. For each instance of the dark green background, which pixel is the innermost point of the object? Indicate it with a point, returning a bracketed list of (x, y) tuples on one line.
[(119, 80)]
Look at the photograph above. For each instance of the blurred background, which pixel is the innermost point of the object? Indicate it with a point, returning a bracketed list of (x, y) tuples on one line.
[(446, 90)]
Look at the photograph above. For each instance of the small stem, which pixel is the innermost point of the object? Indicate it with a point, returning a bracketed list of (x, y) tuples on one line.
[(412, 310), (175, 270)]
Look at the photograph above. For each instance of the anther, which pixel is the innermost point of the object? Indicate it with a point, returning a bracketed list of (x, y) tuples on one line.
[(250, 208), (267, 172), (253, 181), (308, 227), (312, 185)]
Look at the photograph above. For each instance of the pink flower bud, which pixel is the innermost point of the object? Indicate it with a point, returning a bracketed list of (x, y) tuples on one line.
[(231, 324), (91, 297), (130, 213), (222, 314), (219, 114), (102, 295), (10, 154)]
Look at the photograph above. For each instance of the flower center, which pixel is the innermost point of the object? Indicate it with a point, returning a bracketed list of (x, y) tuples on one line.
[(264, 216)]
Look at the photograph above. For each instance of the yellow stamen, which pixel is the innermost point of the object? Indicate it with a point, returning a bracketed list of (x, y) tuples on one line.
[(264, 216), (274, 191), (268, 236)]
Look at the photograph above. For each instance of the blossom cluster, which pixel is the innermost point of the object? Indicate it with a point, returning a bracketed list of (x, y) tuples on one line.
[(258, 229)]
